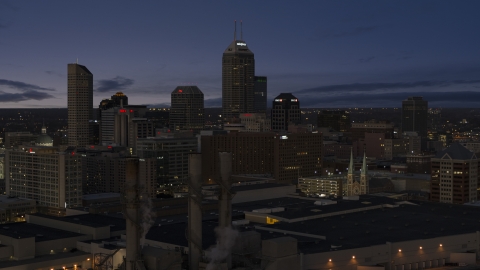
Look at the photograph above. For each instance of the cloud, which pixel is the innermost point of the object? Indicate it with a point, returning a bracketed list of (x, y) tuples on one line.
[(27, 95), (445, 99), (23, 86), (366, 60), (115, 84), (49, 72), (368, 87), (213, 102)]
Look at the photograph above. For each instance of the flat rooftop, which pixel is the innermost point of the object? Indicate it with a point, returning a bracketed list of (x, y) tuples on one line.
[(100, 196), (46, 258), (91, 220), (21, 230), (176, 234), (378, 226), (298, 207)]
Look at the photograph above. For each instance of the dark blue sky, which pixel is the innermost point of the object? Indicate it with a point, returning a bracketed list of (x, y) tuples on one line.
[(327, 53)]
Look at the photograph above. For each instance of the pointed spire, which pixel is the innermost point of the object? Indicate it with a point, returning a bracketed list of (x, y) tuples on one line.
[(241, 30), (44, 129), (350, 167), (364, 165), (235, 32)]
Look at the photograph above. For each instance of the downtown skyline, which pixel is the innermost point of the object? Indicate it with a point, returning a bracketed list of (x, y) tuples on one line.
[(328, 54)]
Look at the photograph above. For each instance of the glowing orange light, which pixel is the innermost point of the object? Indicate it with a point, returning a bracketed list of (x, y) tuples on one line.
[(329, 260), (399, 250), (180, 91), (353, 257)]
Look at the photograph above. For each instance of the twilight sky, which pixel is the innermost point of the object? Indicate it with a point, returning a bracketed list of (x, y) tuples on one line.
[(327, 53)]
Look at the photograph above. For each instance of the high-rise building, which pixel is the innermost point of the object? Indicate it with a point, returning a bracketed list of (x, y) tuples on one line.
[(123, 126), (415, 115), (46, 175), (187, 111), (117, 100), (255, 122), (260, 94), (80, 104), (285, 110), (336, 120), (372, 126), (171, 154), (286, 157), (238, 79), (454, 175), (104, 172)]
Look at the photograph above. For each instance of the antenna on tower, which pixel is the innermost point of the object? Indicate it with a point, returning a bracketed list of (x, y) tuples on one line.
[(77, 60), (235, 32), (241, 30)]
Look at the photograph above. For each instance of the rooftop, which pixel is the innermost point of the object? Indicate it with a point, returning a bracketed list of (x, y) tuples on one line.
[(456, 151), (21, 230), (388, 224), (91, 220)]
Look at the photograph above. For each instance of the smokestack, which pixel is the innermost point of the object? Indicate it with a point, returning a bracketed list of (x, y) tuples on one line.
[(132, 214), (194, 210), (225, 199)]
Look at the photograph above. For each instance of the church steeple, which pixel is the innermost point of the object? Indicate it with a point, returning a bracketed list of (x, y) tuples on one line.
[(364, 165), (44, 129), (350, 167)]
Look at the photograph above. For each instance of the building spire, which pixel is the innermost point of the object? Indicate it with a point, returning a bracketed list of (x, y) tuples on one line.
[(235, 32), (44, 129), (350, 167), (241, 30), (364, 165)]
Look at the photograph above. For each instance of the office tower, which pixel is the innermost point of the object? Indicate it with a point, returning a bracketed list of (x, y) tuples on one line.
[(122, 126), (336, 120), (372, 126), (187, 111), (117, 100), (45, 174), (415, 115), (13, 139), (238, 71), (260, 94), (454, 175), (285, 111), (171, 154), (255, 122), (106, 171), (80, 104), (286, 157)]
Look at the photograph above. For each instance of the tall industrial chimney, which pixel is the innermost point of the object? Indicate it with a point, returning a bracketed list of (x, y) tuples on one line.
[(194, 210), (225, 198), (132, 217)]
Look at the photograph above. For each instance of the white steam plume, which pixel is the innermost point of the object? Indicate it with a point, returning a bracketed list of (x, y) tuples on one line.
[(226, 238)]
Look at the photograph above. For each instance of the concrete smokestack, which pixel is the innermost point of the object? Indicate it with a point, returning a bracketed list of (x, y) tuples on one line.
[(132, 201), (194, 210), (225, 199)]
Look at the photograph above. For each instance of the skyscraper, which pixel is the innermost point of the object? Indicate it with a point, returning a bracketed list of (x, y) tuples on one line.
[(80, 104), (187, 111), (285, 110), (238, 75), (260, 94), (415, 115)]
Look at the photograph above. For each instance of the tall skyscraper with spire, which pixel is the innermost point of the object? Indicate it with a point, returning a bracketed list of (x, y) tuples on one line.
[(80, 104), (238, 79)]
